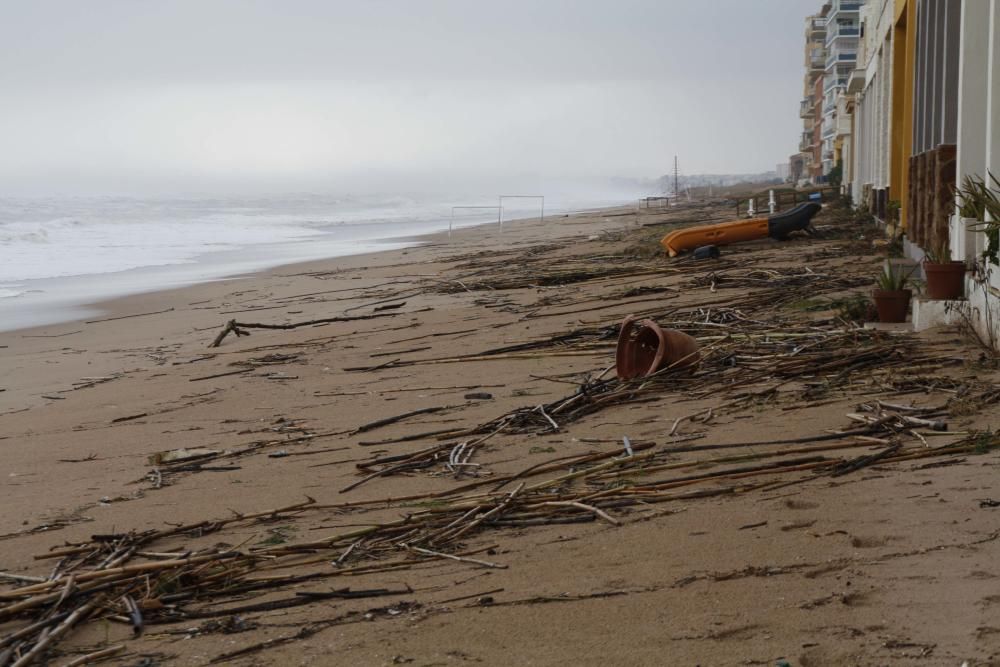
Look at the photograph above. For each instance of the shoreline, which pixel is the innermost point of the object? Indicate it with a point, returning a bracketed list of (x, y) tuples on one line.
[(47, 303), (162, 307), (115, 306)]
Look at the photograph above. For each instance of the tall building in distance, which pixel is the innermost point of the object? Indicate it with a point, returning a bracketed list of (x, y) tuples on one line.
[(843, 29), (811, 106)]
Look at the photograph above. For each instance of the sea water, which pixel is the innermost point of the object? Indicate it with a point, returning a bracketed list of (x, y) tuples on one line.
[(59, 254)]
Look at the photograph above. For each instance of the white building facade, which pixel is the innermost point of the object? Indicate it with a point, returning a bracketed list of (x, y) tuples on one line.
[(843, 30), (870, 86), (978, 150)]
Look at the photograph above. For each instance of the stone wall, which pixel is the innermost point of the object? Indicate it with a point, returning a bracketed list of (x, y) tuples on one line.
[(931, 196)]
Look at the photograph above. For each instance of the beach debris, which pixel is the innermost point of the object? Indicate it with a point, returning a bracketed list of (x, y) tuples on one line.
[(389, 306), (751, 356), (778, 226), (646, 349), (240, 328), (87, 382), (181, 455), (143, 578), (478, 396), (706, 252), (378, 423), (125, 317), (140, 415)]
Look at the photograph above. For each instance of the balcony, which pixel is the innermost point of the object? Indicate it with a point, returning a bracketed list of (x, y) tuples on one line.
[(842, 7), (841, 58), (856, 82), (842, 32), (834, 82), (806, 108), (817, 27)]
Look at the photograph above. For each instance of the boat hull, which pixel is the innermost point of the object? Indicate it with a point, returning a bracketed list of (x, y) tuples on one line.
[(725, 233)]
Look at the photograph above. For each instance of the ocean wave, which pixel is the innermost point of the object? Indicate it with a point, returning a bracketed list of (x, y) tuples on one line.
[(62, 237)]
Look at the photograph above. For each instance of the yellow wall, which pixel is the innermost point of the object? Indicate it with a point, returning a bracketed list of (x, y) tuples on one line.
[(904, 41)]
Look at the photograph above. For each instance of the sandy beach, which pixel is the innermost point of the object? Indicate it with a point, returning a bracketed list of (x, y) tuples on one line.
[(437, 473)]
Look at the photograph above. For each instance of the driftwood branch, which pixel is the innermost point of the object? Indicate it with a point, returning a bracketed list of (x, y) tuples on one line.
[(240, 328)]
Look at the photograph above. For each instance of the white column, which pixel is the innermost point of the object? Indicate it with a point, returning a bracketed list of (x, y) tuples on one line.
[(993, 91), (972, 109)]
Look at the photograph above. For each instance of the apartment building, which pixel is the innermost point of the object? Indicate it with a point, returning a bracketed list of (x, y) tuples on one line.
[(810, 109), (869, 87), (922, 99), (843, 30)]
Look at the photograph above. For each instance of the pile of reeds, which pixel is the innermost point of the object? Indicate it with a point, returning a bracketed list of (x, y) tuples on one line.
[(140, 579)]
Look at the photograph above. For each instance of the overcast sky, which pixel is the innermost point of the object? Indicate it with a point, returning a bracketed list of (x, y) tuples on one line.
[(176, 96)]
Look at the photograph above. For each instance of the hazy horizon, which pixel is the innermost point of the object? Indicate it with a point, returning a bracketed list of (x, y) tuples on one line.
[(227, 96)]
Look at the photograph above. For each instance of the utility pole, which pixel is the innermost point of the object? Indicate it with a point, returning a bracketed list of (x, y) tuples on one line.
[(677, 191)]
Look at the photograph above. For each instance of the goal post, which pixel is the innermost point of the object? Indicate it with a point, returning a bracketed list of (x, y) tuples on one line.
[(541, 217)]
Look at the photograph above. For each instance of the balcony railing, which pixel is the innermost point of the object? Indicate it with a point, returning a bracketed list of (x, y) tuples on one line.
[(831, 83), (806, 109), (842, 58), (842, 7), (841, 31), (817, 26)]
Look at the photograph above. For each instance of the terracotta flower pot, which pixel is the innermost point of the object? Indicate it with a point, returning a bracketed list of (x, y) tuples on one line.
[(646, 348), (945, 281), (892, 305)]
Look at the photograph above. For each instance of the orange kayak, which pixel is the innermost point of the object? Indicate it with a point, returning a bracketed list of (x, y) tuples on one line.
[(777, 226)]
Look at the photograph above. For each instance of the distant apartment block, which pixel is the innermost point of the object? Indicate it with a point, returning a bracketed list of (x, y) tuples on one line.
[(809, 162)]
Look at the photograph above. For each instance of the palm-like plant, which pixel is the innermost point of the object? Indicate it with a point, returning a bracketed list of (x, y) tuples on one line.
[(977, 201), (893, 279)]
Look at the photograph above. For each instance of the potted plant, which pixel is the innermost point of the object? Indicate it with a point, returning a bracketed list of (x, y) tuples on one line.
[(892, 211), (976, 200), (892, 298), (945, 278)]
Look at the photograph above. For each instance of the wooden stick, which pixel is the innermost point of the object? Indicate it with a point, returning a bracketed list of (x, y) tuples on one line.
[(572, 503), (461, 559), (95, 656), (40, 646)]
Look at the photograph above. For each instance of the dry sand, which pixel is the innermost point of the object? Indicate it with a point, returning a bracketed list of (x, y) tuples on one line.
[(893, 564)]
